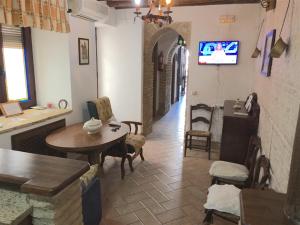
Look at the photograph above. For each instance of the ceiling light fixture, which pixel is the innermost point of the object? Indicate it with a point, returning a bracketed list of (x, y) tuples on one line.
[(160, 17)]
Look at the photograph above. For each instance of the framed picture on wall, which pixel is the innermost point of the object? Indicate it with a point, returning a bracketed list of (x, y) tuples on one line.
[(267, 59), (84, 51)]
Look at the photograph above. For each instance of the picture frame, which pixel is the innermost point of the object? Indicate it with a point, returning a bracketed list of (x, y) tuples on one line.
[(267, 59), (84, 51), (11, 108)]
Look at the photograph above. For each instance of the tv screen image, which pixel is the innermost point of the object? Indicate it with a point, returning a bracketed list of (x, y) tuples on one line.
[(218, 52)]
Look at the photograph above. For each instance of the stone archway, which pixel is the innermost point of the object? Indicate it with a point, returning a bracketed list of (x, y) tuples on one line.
[(152, 34)]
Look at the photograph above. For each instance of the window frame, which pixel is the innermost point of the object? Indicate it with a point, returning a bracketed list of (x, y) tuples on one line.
[(29, 68)]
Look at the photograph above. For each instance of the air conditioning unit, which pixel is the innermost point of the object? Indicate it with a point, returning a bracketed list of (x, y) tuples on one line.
[(91, 10)]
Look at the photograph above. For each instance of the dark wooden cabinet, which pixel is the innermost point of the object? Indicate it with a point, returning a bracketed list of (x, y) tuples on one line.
[(236, 133), (33, 141)]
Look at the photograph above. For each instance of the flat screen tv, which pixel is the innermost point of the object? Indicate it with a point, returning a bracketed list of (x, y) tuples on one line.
[(218, 52)]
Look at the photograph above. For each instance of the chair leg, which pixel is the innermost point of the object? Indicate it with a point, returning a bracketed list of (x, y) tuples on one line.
[(142, 155), (207, 144), (190, 142), (214, 180), (185, 144), (123, 167), (130, 162), (209, 147), (208, 218), (102, 158)]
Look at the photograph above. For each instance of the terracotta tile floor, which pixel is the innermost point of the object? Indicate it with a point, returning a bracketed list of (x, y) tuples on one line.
[(164, 189)]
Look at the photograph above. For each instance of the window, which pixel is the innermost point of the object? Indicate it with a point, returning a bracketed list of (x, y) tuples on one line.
[(16, 66)]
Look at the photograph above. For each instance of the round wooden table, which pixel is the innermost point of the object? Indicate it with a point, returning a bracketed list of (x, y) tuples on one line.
[(74, 139)]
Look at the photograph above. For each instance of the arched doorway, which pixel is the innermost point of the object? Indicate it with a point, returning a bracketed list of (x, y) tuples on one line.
[(162, 73), (152, 34)]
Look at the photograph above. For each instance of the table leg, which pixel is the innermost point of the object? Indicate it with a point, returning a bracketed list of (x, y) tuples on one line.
[(123, 167), (94, 158)]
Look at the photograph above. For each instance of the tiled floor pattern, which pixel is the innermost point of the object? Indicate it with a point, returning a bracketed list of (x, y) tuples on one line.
[(166, 188)]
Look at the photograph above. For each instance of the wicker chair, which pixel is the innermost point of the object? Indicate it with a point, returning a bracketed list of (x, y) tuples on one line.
[(204, 134)]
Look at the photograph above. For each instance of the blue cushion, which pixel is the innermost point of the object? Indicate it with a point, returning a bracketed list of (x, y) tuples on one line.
[(91, 203)]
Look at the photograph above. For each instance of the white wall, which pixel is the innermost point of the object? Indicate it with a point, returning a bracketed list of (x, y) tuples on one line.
[(214, 84), (57, 71), (52, 66), (279, 94), (83, 77), (120, 67)]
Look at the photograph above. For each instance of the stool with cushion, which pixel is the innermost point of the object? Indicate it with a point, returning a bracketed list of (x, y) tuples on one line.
[(190, 141), (101, 109), (224, 200), (223, 172)]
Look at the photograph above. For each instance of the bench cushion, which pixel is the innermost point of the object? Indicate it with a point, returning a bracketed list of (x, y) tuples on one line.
[(224, 198), (228, 170)]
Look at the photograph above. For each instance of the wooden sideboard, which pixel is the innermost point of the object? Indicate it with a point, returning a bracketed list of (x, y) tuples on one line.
[(236, 133)]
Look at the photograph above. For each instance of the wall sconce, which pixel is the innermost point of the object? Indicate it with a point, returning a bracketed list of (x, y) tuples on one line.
[(280, 46), (268, 4), (257, 51)]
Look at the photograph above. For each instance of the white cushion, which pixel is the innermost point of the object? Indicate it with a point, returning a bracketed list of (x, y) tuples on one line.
[(224, 198), (228, 170)]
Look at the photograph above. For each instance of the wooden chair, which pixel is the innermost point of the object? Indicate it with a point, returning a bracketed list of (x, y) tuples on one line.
[(205, 134), (223, 172), (101, 109), (261, 176)]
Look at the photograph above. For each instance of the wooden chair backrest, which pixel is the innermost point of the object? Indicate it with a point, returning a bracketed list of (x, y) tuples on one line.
[(202, 119), (133, 126), (253, 148), (261, 174)]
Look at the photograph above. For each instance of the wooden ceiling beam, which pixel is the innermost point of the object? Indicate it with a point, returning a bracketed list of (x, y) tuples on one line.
[(121, 4)]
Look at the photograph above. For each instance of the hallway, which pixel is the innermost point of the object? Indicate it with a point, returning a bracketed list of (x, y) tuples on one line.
[(165, 188)]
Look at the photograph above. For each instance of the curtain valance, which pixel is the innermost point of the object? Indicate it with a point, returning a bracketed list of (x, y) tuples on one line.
[(43, 14)]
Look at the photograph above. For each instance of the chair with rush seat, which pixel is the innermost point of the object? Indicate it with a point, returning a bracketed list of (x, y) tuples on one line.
[(190, 141)]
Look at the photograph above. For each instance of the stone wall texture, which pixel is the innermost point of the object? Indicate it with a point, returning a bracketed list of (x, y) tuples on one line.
[(279, 94), (64, 208)]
